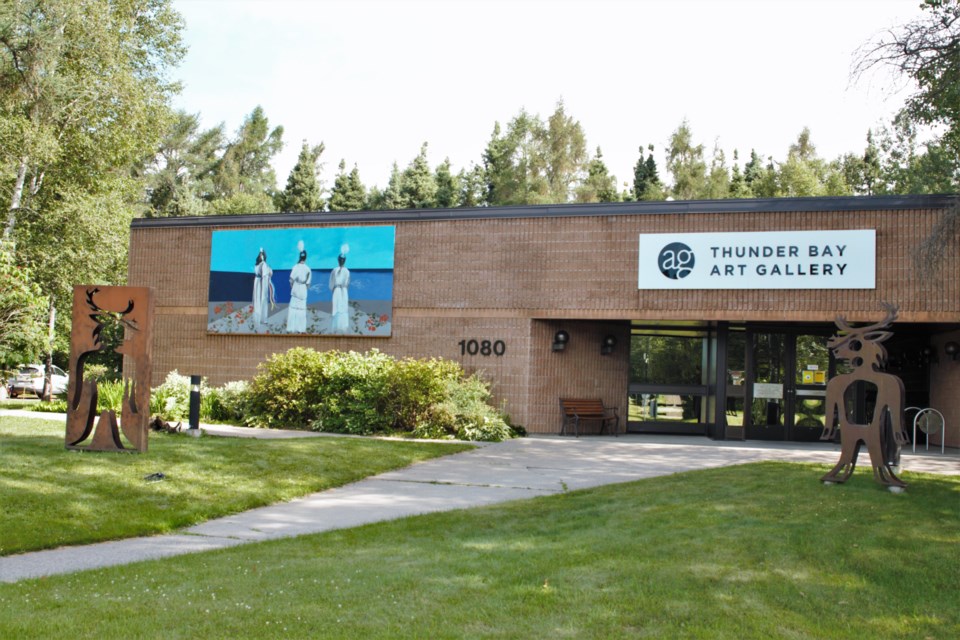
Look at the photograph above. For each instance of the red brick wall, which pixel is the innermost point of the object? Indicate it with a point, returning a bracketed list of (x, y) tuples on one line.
[(521, 279), (945, 388)]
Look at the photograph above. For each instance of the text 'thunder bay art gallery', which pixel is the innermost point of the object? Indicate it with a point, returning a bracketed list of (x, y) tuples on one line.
[(702, 317)]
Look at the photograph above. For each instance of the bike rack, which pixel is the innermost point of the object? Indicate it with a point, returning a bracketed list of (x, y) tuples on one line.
[(916, 421)]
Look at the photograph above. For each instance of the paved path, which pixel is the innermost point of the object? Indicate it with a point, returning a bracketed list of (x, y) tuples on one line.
[(517, 469)]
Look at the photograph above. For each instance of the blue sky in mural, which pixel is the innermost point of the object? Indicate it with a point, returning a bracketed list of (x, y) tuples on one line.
[(236, 251)]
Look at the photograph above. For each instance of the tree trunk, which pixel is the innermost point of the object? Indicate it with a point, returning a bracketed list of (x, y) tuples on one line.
[(16, 198), (47, 393)]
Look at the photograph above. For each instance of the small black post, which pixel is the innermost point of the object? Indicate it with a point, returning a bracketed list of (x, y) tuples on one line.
[(195, 403)]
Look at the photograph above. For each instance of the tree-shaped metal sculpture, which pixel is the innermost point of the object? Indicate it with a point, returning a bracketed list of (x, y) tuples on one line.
[(93, 307), (884, 433)]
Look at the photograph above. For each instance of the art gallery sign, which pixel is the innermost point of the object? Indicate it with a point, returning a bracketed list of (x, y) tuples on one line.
[(844, 259)]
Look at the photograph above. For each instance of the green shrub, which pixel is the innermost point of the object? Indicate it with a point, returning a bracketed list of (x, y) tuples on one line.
[(468, 401), (285, 391), (110, 396), (54, 406), (226, 403), (99, 372), (349, 392), (417, 388), (171, 400), (354, 393)]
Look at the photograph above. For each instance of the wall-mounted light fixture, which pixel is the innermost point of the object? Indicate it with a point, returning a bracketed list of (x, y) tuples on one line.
[(560, 340), (606, 347), (952, 349)]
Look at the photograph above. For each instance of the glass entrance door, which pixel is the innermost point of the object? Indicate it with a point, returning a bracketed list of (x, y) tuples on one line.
[(809, 397), (767, 356), (787, 384)]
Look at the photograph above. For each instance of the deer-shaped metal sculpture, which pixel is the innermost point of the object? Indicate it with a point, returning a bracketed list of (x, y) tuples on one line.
[(884, 434), (93, 307)]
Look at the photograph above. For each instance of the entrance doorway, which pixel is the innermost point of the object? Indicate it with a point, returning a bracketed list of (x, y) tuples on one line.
[(786, 376)]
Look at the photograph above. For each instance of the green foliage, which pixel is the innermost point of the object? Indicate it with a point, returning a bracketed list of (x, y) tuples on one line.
[(646, 178), (535, 162), (349, 392), (449, 186), (84, 99), (244, 168), (468, 404), (23, 312), (418, 186), (926, 50), (304, 189), (599, 186), (348, 192), (225, 404), (718, 179), (109, 395), (685, 162), (178, 181), (171, 400), (285, 391), (353, 393), (473, 186), (243, 203)]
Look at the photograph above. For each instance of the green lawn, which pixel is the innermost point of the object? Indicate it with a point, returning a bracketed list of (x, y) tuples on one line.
[(50, 496), (756, 551)]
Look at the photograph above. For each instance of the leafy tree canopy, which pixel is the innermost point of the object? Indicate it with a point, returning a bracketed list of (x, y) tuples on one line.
[(23, 311)]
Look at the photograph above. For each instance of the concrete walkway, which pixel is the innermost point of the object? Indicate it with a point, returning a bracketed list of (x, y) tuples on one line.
[(492, 473)]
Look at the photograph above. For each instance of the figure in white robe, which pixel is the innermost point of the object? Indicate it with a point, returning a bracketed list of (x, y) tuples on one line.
[(339, 282), (300, 277), (263, 300)]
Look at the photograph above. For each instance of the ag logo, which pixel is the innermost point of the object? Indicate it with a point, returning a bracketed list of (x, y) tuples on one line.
[(676, 260)]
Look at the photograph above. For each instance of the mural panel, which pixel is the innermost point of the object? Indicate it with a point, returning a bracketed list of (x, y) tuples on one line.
[(329, 281)]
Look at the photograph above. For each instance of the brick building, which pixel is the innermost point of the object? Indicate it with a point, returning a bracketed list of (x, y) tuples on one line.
[(702, 317)]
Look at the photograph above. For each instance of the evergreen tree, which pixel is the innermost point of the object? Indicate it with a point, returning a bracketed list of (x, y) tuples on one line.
[(245, 166), (348, 193), (753, 169), (418, 187), (738, 183), (392, 196), (599, 186), (473, 187), (869, 182), (449, 187), (304, 189), (642, 176), (514, 163), (178, 178)]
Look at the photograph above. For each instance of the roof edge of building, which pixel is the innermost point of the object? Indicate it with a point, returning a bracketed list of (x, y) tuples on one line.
[(753, 205)]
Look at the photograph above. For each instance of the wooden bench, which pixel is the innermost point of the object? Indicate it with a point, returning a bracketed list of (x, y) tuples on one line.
[(574, 410)]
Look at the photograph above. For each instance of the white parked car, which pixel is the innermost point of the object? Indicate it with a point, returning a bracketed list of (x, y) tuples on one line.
[(29, 379)]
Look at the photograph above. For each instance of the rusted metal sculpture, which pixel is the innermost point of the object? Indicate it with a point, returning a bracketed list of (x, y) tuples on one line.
[(94, 306), (884, 434)]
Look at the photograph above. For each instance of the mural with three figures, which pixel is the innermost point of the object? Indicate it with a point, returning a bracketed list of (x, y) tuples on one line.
[(329, 281)]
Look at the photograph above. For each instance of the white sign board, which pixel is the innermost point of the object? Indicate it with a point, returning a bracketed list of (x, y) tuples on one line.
[(767, 390), (844, 259)]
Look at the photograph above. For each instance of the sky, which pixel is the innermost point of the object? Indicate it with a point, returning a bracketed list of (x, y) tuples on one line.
[(374, 80)]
